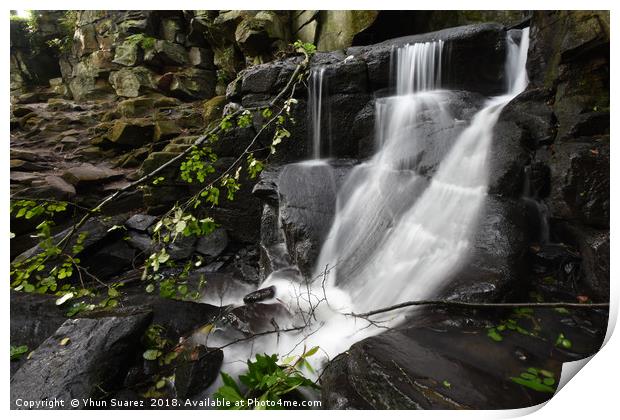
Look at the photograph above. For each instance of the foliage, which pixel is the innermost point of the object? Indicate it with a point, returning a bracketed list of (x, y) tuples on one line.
[(68, 24), (267, 381), (512, 324), (537, 379), (144, 41), (305, 47), (563, 342), (56, 267), (18, 351)]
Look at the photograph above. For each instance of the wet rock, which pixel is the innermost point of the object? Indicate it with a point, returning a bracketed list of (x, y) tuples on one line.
[(166, 129), (260, 295), (432, 368), (134, 132), (179, 318), (110, 260), (524, 125), (140, 222), (140, 241), (580, 182), (468, 45), (497, 261), (93, 358), (182, 247), (212, 244), (197, 369), (307, 196), (34, 317)]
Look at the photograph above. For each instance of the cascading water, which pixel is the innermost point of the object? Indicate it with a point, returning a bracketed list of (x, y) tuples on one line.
[(400, 230), (316, 108)]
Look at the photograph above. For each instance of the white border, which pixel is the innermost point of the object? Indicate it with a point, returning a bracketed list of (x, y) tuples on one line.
[(592, 394)]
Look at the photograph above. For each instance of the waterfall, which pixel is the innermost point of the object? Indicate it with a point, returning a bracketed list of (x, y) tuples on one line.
[(382, 233), (315, 88), (401, 230)]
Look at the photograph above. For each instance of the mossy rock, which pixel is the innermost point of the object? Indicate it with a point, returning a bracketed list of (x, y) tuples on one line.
[(166, 129), (213, 108), (135, 132), (136, 107)]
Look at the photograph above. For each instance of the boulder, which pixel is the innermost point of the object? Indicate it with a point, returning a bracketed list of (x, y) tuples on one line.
[(132, 82), (133, 132), (136, 107), (188, 84), (34, 318), (82, 359), (127, 54), (213, 244), (307, 198), (87, 173), (197, 368), (338, 27), (201, 57), (255, 35), (166, 53), (434, 367), (178, 317), (140, 222), (213, 109)]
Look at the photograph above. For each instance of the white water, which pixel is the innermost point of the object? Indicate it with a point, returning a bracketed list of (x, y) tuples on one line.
[(316, 108), (396, 235)]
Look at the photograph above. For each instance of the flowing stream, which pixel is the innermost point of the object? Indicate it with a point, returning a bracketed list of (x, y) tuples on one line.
[(399, 232)]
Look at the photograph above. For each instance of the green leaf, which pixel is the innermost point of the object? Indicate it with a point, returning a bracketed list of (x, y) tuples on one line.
[(311, 352), (151, 354), (18, 352), (536, 386), (494, 335)]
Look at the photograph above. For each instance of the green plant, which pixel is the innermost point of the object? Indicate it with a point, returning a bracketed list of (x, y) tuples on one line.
[(144, 41), (268, 382), (18, 351), (537, 379)]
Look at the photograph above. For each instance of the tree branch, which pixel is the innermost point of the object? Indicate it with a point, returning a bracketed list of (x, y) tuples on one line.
[(477, 305)]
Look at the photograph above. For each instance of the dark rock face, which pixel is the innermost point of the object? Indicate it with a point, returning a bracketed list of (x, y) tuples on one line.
[(497, 262), (569, 59), (34, 318), (178, 317), (307, 198), (466, 47), (196, 370), (90, 361), (444, 364)]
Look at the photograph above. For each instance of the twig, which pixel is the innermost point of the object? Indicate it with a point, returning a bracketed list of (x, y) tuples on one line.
[(461, 304)]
